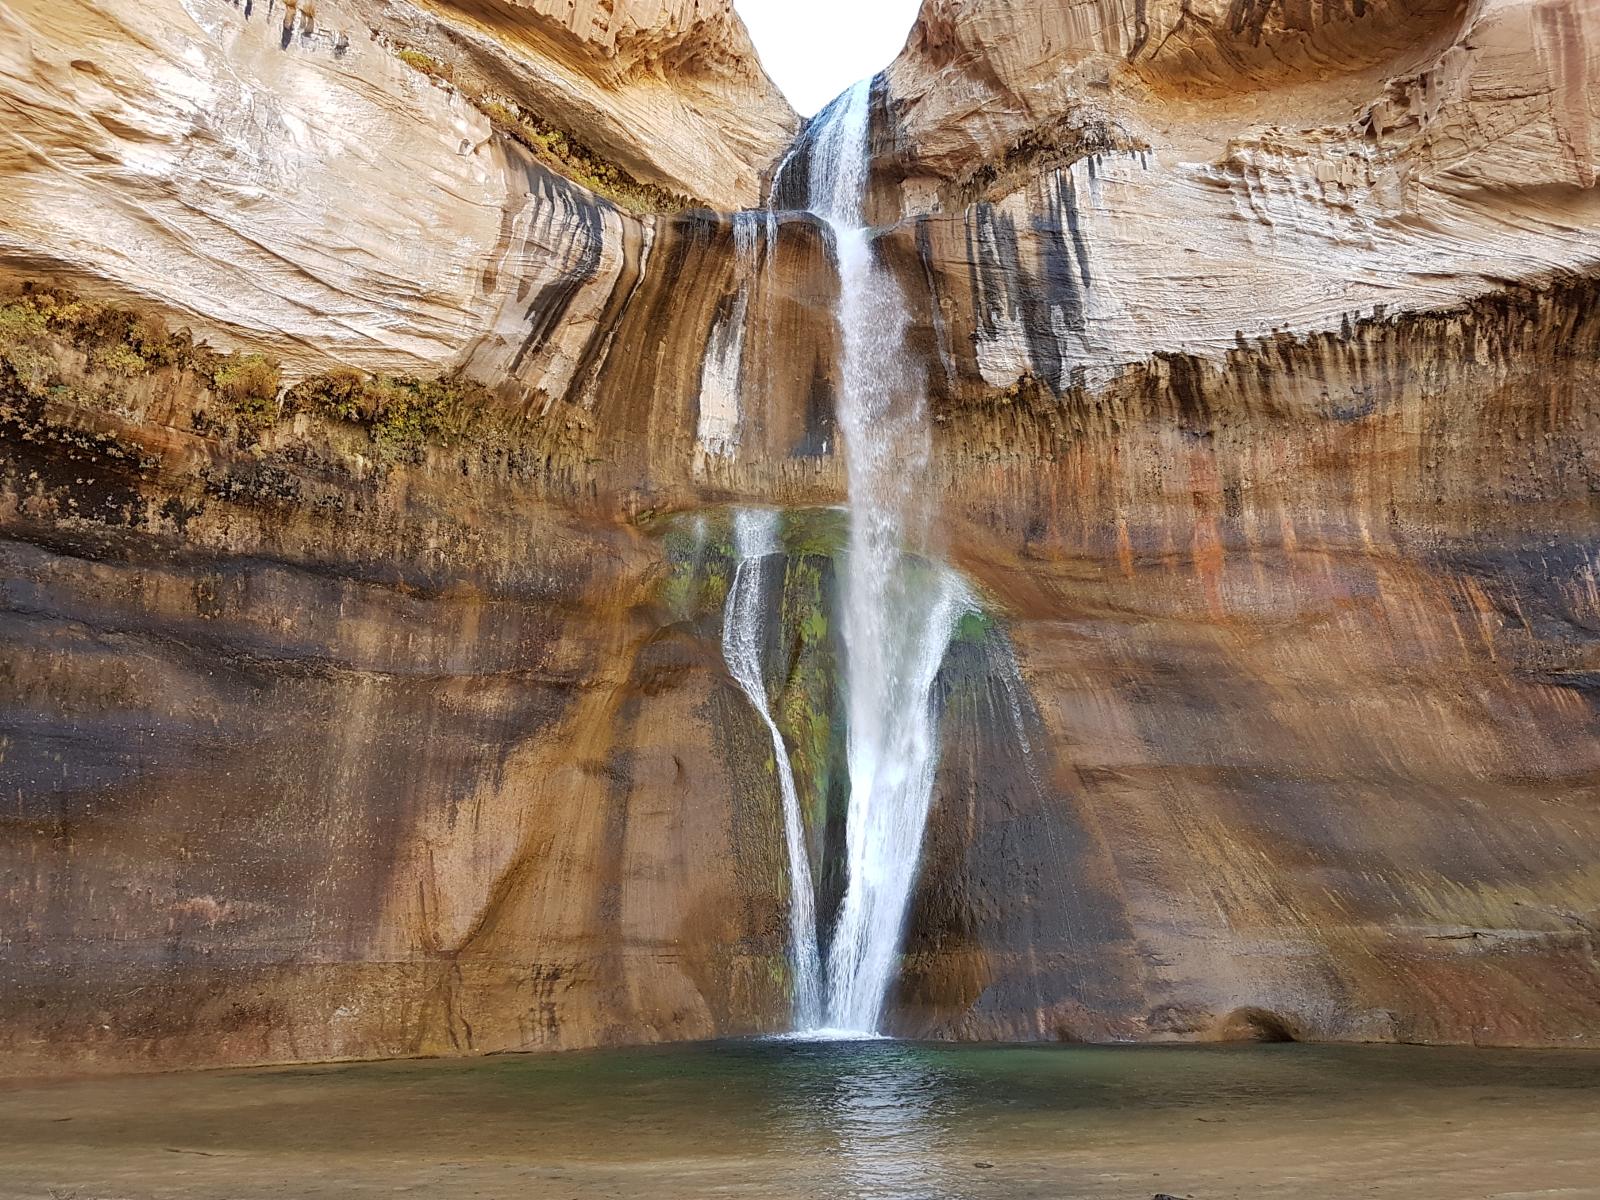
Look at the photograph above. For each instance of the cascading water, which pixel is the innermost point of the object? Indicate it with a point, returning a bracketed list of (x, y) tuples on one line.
[(755, 533), (899, 605)]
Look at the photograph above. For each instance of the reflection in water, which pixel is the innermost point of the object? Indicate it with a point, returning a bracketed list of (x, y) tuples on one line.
[(883, 1112)]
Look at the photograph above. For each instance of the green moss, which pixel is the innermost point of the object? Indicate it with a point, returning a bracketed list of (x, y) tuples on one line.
[(499, 113), (22, 329), (118, 359), (805, 675), (340, 394), (403, 414), (248, 384), (718, 579), (806, 708), (679, 537), (20, 321), (818, 532), (700, 556), (557, 149), (38, 323), (419, 61), (679, 591), (114, 339), (779, 969), (684, 541), (567, 156), (974, 628), (814, 627), (34, 369)]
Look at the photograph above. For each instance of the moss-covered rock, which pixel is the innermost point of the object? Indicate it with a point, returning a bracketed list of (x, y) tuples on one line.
[(57, 346), (557, 148), (403, 414), (804, 668)]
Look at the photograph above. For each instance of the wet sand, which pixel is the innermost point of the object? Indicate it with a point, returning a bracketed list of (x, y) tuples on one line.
[(863, 1121)]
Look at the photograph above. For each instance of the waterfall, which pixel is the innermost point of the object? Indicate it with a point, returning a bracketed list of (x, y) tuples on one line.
[(755, 533), (899, 604)]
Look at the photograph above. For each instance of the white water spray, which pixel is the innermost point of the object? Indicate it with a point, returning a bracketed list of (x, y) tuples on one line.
[(900, 606), (755, 533)]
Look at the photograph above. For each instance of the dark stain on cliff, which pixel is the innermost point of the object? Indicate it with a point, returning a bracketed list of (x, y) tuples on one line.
[(821, 429), (622, 293), (83, 474), (1014, 909), (1045, 303), (558, 205), (935, 312)]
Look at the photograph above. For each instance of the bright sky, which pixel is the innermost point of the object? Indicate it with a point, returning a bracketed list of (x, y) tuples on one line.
[(814, 49)]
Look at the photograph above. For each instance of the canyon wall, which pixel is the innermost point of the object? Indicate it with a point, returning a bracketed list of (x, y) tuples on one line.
[(353, 715), (1265, 396), (346, 182)]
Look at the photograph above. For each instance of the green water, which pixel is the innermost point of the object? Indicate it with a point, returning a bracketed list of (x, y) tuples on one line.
[(864, 1120)]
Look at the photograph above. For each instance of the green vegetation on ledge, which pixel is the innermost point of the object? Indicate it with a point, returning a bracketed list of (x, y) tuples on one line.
[(43, 330), (402, 413), (57, 347), (557, 149)]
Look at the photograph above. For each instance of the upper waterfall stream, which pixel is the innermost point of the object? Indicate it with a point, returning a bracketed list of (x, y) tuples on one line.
[(899, 603)]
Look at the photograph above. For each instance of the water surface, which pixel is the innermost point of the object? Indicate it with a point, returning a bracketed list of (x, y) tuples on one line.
[(864, 1120)]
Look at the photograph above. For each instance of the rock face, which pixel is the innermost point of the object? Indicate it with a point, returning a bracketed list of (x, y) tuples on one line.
[(1296, 493), (1156, 178), (353, 717), (670, 90), (324, 182), (1310, 641)]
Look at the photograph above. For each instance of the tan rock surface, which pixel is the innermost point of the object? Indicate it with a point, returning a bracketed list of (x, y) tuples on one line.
[(1312, 643), (978, 77), (1262, 359), (670, 89), (1134, 205), (300, 189), (365, 758)]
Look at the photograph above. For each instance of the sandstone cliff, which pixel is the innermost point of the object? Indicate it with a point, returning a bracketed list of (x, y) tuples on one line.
[(350, 716), (1256, 329), (1164, 178), (338, 182)]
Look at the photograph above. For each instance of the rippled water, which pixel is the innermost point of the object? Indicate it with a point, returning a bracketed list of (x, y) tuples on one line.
[(838, 1121)]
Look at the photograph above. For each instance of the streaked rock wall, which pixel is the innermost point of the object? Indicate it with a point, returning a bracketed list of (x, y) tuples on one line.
[(1262, 348), (291, 181), (1311, 637)]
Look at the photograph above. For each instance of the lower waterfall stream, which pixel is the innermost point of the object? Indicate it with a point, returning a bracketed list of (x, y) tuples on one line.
[(755, 533)]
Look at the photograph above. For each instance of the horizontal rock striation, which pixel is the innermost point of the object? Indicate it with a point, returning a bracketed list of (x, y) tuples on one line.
[(1311, 641), (321, 745)]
